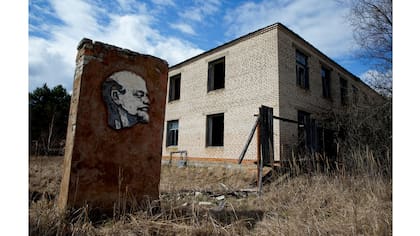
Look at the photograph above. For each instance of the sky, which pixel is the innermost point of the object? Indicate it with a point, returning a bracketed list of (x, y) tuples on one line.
[(175, 30)]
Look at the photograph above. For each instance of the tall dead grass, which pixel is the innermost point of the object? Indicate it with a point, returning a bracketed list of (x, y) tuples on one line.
[(335, 203)]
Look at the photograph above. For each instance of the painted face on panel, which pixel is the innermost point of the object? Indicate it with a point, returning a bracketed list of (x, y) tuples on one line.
[(128, 92), (135, 99)]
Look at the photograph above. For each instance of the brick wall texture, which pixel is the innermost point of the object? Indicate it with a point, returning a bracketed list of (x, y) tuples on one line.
[(259, 70)]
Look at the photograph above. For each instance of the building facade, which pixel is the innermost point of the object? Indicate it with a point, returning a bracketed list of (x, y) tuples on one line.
[(213, 97)]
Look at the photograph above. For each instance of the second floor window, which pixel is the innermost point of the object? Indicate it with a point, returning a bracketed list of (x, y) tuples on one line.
[(326, 88), (174, 87), (344, 91), (216, 74), (302, 71), (355, 94)]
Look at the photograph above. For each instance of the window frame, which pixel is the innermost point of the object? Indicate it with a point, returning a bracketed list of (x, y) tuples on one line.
[(303, 118), (302, 70), (216, 81), (355, 94), (326, 82), (174, 88), (169, 131), (210, 130), (344, 93)]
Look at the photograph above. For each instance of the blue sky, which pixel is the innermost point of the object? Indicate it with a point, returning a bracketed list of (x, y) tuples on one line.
[(174, 30)]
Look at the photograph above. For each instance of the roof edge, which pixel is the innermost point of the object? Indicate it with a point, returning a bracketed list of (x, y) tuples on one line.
[(237, 40), (264, 30)]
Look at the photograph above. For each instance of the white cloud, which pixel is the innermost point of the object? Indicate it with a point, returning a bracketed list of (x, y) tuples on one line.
[(371, 74), (200, 9), (164, 2), (185, 28), (381, 82), (52, 59), (321, 24)]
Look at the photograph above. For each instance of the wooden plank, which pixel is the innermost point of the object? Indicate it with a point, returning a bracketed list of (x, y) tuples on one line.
[(241, 157), (259, 161)]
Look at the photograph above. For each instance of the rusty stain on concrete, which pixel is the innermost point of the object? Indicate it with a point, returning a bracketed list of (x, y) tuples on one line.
[(102, 164)]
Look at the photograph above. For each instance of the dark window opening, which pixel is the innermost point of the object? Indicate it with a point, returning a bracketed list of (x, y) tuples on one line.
[(175, 87), (302, 70), (309, 133), (326, 144), (172, 133), (214, 130), (326, 88), (343, 91), (355, 94), (329, 146), (314, 137), (216, 74), (304, 127)]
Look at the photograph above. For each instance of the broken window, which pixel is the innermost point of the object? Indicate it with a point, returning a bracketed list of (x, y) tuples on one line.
[(326, 88), (216, 74), (310, 133), (175, 87), (343, 91), (313, 136), (302, 70), (172, 133), (355, 94), (304, 128), (214, 130)]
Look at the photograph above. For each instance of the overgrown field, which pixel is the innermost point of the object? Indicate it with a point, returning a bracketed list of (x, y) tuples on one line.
[(207, 201)]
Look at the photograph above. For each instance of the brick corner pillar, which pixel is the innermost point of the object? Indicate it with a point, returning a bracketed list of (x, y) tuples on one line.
[(114, 135)]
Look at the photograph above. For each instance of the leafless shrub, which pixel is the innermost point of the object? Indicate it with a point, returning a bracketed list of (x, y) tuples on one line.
[(364, 139)]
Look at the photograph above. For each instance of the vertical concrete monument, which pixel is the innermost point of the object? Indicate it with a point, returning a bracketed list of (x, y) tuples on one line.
[(114, 135)]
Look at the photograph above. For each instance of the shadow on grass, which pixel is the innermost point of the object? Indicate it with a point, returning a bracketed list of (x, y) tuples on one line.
[(228, 217)]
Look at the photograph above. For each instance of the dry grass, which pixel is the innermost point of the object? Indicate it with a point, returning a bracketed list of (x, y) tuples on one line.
[(318, 204)]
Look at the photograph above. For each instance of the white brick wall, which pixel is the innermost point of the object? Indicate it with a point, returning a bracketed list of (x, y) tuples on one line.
[(259, 70), (250, 80)]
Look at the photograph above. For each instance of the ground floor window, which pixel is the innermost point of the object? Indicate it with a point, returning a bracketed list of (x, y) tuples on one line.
[(304, 122), (214, 130), (313, 136), (172, 133)]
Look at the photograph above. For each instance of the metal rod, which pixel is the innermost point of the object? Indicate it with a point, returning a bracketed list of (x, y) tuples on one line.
[(180, 152), (283, 119)]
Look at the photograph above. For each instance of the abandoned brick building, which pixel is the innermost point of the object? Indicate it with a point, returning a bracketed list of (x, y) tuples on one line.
[(213, 97)]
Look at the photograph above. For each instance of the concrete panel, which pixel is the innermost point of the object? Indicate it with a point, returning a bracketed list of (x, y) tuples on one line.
[(114, 137)]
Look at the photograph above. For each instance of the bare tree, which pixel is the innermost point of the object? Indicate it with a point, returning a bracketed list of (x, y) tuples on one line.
[(370, 126), (372, 28), (372, 24)]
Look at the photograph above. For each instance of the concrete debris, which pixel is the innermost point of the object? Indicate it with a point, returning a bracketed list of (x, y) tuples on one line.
[(219, 207), (205, 203)]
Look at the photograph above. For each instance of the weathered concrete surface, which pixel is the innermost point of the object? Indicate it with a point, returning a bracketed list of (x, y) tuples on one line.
[(106, 167)]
